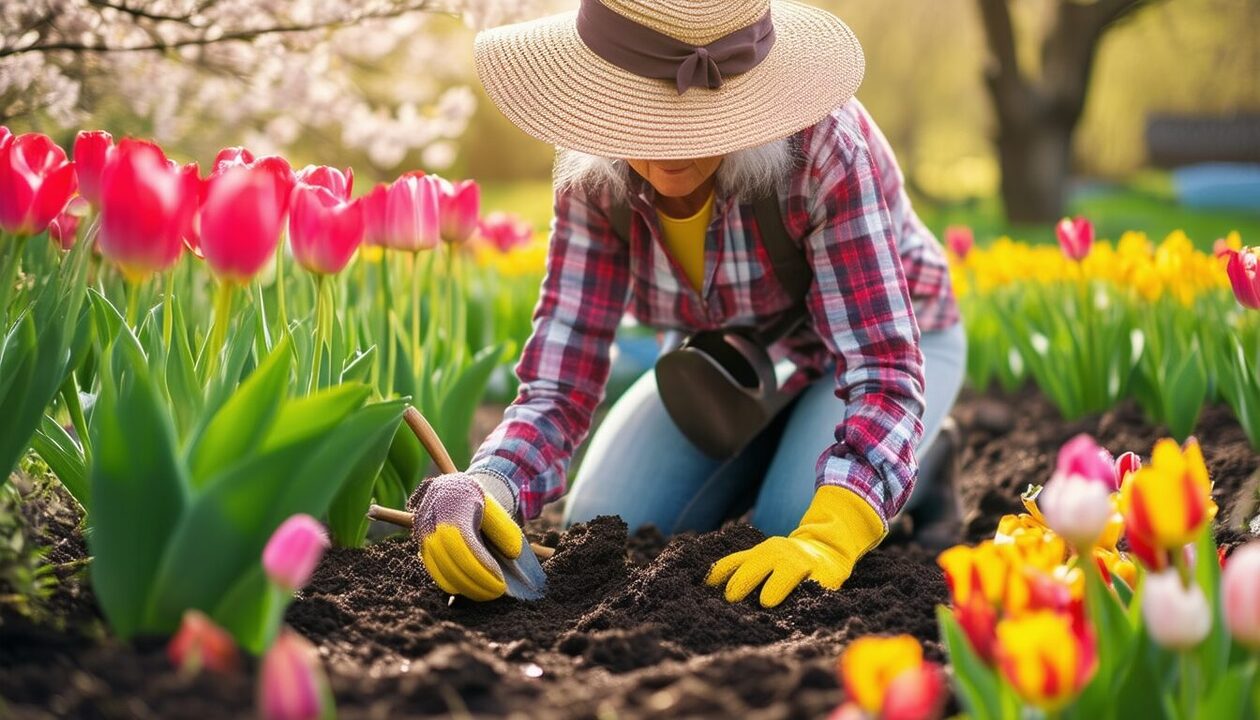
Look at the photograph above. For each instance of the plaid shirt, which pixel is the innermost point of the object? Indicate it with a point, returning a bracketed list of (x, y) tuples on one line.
[(876, 269)]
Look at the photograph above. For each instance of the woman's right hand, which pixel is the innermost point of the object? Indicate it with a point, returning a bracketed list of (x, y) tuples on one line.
[(454, 519)]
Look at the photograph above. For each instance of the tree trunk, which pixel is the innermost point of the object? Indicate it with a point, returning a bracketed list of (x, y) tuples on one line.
[(1035, 160)]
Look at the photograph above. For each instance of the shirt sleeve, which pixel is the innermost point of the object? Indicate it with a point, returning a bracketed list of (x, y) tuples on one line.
[(862, 310), (565, 362)]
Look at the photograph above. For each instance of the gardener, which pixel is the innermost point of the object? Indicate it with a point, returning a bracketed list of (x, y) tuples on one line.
[(689, 114)]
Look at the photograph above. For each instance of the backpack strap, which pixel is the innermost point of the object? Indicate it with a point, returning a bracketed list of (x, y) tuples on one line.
[(790, 267)]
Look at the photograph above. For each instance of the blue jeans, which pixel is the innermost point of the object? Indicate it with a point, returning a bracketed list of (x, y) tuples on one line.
[(641, 467)]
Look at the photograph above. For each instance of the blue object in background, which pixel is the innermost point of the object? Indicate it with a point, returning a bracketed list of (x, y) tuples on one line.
[(1233, 186)]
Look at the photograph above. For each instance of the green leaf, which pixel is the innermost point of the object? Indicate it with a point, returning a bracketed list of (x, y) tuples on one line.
[(138, 490), (347, 517), (64, 457), (1228, 698), (252, 610), (977, 686), (465, 395), (359, 368), (244, 420), (315, 414), (182, 382), (1212, 655)]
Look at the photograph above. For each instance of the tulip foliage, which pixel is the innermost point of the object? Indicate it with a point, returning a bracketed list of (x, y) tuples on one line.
[(1092, 323), (1052, 618)]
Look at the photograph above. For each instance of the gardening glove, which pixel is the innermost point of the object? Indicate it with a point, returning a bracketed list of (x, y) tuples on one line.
[(454, 518), (838, 528)]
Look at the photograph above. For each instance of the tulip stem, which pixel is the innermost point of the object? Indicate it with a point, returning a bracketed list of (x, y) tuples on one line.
[(282, 313), (415, 315), (321, 330), (218, 332), (1188, 682), (168, 305), (133, 301), (10, 261), (387, 313)]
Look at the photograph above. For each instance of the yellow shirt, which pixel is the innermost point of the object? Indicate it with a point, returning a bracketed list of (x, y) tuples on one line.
[(684, 238)]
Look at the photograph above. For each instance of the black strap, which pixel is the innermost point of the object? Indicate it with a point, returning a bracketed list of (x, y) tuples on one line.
[(787, 259)]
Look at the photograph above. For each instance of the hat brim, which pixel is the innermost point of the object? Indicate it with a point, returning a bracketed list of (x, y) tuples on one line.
[(551, 85)]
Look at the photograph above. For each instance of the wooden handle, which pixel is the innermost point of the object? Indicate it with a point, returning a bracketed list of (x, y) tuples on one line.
[(429, 439), (402, 518)]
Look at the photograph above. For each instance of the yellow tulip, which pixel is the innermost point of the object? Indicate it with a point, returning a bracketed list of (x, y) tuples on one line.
[(1044, 658), (1166, 503), (870, 664)]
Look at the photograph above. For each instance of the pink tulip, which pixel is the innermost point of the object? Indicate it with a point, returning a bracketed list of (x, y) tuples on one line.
[(459, 204), (324, 229), (64, 229), (505, 231), (1076, 237), (1240, 588), (411, 213), (917, 694), (5, 136), (331, 179), (36, 182), (291, 684), (275, 166), (191, 174), (145, 205), (241, 221), (200, 643), (92, 149), (1243, 269), (960, 240), (1077, 500), (293, 551), (1176, 616), (1127, 463)]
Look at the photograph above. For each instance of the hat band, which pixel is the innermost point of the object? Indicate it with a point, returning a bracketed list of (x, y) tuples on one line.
[(645, 52)]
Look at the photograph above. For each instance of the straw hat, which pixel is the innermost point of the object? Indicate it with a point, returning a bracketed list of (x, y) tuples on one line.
[(549, 81)]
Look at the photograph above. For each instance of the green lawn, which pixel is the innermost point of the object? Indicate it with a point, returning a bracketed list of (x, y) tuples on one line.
[(1145, 203)]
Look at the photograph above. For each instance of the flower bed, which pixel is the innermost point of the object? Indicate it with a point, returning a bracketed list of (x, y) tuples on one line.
[(627, 629)]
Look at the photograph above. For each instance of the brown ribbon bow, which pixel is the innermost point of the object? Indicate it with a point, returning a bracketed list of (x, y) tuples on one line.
[(643, 51)]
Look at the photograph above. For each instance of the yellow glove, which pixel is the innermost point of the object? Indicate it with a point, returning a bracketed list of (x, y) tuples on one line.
[(454, 519), (838, 528)]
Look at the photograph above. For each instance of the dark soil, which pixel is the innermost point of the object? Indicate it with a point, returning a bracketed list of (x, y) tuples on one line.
[(627, 630)]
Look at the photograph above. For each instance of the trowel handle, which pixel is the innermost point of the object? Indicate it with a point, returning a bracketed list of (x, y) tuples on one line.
[(429, 439)]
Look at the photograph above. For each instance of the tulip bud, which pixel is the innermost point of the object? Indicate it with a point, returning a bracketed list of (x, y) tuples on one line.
[(1077, 509), (1177, 617), (1243, 269), (324, 230), (870, 664), (1076, 237), (92, 149), (64, 229), (1240, 592), (1167, 503), (200, 643), (36, 182), (340, 184), (917, 694), (1127, 463), (411, 220), (241, 221), (374, 206), (960, 240), (291, 684), (293, 551), (1046, 657), (145, 205), (459, 205)]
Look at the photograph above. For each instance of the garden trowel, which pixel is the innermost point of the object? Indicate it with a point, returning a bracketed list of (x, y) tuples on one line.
[(524, 576)]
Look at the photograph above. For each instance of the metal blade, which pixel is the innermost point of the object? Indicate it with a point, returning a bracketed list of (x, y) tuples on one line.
[(525, 577)]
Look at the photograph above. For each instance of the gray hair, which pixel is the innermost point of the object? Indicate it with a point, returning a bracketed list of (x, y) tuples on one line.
[(745, 174)]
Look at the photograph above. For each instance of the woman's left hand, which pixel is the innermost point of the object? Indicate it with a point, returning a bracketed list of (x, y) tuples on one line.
[(838, 528)]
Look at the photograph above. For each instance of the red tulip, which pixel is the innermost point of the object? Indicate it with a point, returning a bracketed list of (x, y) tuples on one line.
[(331, 179), (1243, 269), (960, 239), (293, 551), (5, 136), (36, 182), (505, 231), (191, 233), (64, 228), (459, 205), (1076, 237), (917, 694), (1127, 463), (276, 166), (241, 221), (324, 229), (411, 213), (202, 644), (291, 685), (92, 149), (145, 206)]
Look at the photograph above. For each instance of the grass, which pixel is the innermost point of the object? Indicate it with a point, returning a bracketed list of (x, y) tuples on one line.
[(1143, 203)]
